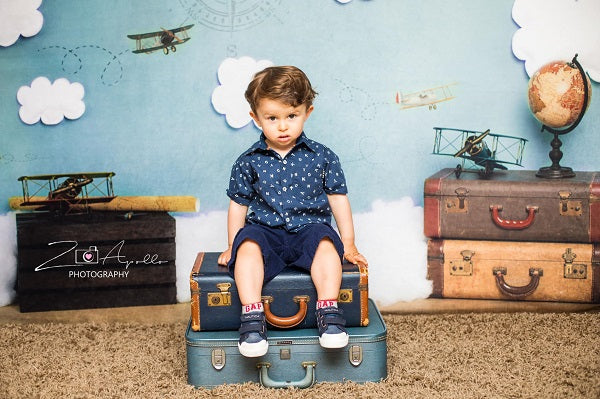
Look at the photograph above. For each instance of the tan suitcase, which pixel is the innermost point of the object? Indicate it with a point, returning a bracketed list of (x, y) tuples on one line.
[(531, 271)]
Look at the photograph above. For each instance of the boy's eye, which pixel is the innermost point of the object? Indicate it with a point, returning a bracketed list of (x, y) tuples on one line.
[(291, 116), (271, 118)]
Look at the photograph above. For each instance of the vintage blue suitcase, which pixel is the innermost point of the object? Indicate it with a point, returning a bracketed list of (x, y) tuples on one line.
[(294, 358), (289, 299)]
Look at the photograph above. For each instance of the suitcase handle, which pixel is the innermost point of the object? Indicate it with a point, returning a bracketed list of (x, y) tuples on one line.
[(266, 381), (517, 292), (286, 322), (513, 224)]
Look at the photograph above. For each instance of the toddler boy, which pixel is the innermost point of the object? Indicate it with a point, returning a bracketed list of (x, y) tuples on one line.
[(283, 191)]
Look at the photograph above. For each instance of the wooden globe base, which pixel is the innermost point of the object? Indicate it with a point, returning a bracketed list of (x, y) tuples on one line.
[(548, 172), (555, 171)]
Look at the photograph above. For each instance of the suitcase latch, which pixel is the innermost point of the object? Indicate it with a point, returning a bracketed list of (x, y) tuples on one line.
[(355, 355), (345, 295), (573, 270), (217, 358), (463, 267), (459, 204), (221, 298), (569, 207)]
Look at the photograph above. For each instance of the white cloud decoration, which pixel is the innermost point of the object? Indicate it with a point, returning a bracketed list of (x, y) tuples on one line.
[(228, 98), (50, 102), (19, 17), (553, 30)]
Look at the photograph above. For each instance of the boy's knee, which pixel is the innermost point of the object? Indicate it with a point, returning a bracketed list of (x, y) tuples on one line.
[(248, 247)]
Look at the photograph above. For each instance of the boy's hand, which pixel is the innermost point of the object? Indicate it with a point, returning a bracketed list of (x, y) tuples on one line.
[(224, 257), (352, 255)]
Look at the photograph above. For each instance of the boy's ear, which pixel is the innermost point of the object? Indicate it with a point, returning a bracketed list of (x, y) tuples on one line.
[(253, 116), (309, 110)]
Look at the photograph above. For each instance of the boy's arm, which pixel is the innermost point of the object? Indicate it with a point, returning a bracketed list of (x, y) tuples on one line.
[(340, 206), (236, 219)]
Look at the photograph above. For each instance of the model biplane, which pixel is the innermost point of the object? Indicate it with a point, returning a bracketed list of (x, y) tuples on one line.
[(427, 97), (163, 39), (64, 193), (483, 151)]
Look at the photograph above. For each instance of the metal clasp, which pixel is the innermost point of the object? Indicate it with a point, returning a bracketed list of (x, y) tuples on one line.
[(569, 207), (460, 204), (221, 298), (217, 358), (463, 267), (573, 270), (355, 355)]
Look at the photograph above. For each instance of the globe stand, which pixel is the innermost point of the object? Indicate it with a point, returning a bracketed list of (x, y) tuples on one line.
[(556, 171)]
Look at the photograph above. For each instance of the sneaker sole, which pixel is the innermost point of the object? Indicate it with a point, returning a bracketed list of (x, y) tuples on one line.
[(253, 350), (333, 341)]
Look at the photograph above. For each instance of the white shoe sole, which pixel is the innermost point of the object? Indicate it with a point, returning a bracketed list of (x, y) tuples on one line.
[(333, 341), (253, 350)]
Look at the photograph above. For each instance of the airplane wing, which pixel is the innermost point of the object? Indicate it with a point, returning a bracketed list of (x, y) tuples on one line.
[(75, 175), (151, 49), (140, 36), (181, 28)]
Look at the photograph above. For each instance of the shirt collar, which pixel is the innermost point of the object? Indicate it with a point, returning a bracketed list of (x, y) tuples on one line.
[(261, 145)]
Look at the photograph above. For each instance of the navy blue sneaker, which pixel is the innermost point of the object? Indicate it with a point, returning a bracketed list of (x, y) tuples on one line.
[(253, 335), (331, 322)]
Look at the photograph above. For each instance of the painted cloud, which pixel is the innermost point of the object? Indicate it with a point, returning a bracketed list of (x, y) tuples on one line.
[(19, 17), (228, 98), (557, 30), (50, 102)]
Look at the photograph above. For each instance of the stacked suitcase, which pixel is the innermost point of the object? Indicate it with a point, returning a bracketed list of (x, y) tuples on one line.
[(294, 358), (513, 236)]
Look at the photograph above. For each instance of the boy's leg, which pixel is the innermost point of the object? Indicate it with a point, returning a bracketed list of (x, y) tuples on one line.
[(249, 276), (326, 273), (249, 272)]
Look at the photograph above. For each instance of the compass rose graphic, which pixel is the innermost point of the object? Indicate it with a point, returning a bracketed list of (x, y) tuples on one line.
[(229, 15)]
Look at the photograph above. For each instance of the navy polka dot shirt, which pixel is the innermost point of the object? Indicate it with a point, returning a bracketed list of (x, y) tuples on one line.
[(287, 192)]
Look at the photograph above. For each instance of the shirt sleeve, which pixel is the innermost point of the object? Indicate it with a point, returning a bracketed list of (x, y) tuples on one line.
[(334, 181), (241, 182)]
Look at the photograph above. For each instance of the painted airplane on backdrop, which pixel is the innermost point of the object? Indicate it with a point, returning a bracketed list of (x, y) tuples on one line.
[(483, 157), (429, 97), (163, 39)]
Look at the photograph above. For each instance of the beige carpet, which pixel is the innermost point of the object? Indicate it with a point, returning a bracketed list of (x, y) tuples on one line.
[(517, 355)]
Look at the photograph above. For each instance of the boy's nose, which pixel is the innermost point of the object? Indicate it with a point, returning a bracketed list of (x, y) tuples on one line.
[(282, 125)]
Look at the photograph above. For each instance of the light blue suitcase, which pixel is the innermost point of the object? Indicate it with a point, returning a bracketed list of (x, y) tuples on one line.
[(294, 359)]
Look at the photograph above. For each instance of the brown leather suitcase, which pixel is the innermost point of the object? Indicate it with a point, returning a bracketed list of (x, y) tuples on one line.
[(512, 205), (532, 271)]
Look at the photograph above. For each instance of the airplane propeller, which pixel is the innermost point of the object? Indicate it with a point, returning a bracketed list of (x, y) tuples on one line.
[(171, 34), (469, 144), (70, 188)]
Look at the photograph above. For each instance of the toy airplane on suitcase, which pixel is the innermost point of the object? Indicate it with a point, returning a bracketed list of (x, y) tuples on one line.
[(65, 191), (471, 146)]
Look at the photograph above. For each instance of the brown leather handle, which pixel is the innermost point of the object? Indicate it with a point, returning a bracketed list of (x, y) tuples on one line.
[(513, 224), (518, 292), (286, 322)]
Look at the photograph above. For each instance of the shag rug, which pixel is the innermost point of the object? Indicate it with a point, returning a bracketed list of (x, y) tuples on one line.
[(480, 355)]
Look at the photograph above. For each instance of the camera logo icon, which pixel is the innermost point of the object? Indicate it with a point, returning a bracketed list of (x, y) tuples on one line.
[(86, 256)]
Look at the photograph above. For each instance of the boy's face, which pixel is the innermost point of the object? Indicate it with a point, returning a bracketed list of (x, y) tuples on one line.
[(281, 123)]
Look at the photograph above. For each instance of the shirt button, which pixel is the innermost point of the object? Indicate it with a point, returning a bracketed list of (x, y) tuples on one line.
[(285, 161)]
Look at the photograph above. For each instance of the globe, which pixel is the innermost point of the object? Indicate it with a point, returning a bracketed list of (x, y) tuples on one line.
[(556, 94)]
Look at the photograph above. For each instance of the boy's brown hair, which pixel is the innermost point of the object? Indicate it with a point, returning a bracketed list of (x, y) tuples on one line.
[(287, 84)]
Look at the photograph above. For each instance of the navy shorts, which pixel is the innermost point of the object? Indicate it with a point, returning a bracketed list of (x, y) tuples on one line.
[(281, 248)]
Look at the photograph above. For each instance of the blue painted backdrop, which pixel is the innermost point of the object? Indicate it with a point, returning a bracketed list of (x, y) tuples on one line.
[(149, 117)]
